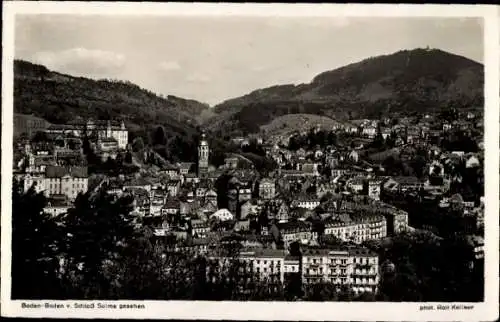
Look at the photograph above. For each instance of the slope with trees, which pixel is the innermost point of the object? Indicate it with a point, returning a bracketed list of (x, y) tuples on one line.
[(404, 82), (60, 98)]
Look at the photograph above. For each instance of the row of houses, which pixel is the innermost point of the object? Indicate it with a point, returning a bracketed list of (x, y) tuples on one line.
[(354, 268)]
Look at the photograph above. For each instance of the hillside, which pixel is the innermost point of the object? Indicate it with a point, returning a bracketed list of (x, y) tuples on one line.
[(286, 124), (405, 82), (60, 98)]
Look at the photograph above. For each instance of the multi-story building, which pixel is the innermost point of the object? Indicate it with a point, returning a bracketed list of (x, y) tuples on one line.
[(292, 264), (369, 131), (101, 129), (283, 212), (28, 124), (200, 228), (238, 196), (400, 221), (58, 180), (173, 187), (111, 130), (57, 206), (357, 228), (210, 195), (355, 268), (307, 202), (396, 219), (266, 264), (157, 201), (356, 184), (269, 264), (374, 188), (267, 189), (299, 231)]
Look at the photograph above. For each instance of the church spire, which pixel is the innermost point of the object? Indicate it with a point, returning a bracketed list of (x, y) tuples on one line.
[(203, 153)]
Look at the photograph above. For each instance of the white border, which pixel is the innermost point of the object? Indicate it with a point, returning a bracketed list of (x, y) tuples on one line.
[(486, 311)]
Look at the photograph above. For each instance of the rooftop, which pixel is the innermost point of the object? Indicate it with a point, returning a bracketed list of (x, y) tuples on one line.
[(52, 171)]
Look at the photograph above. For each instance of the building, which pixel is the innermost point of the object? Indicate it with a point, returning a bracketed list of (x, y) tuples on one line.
[(291, 264), (400, 221), (356, 184), (184, 167), (369, 131), (374, 188), (355, 268), (476, 244), (200, 228), (249, 208), (28, 124), (307, 202), (231, 162), (171, 207), (111, 130), (267, 264), (173, 187), (58, 180), (203, 153), (356, 228), (267, 189), (99, 129), (283, 213), (57, 205), (210, 196), (403, 183), (107, 144), (299, 231), (222, 215)]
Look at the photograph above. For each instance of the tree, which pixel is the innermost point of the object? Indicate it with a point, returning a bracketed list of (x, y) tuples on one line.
[(159, 136), (332, 138), (391, 139), (378, 141), (35, 236), (128, 157), (98, 229), (138, 144)]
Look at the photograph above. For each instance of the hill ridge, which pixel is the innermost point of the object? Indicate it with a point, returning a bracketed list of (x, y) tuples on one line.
[(59, 97), (404, 82)]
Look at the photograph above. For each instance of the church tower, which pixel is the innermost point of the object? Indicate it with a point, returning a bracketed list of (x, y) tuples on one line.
[(203, 152)]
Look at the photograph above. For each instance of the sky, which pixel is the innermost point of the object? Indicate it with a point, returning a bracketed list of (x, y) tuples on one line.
[(213, 59)]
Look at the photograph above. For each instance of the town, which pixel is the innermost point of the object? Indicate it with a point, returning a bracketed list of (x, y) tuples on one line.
[(319, 211)]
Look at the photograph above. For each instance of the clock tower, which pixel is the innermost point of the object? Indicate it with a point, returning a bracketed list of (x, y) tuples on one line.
[(203, 152)]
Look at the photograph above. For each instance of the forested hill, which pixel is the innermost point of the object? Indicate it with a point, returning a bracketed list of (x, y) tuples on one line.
[(60, 98), (405, 82)]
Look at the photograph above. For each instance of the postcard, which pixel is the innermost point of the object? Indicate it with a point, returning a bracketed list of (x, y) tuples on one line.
[(250, 161)]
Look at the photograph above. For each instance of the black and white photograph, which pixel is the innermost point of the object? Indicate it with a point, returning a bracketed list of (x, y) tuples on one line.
[(247, 158)]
